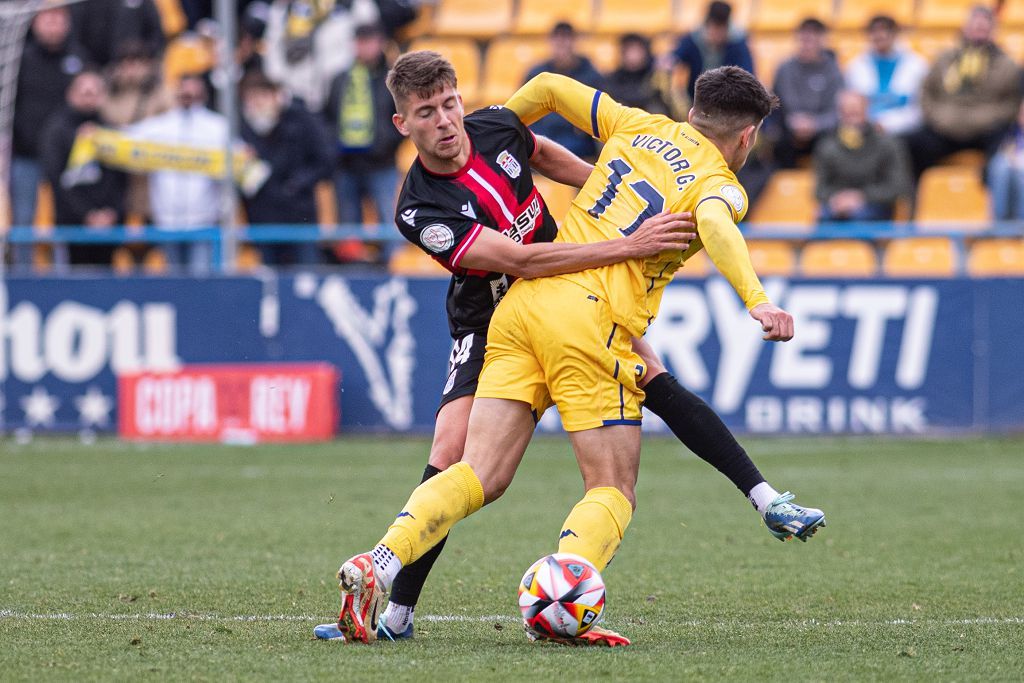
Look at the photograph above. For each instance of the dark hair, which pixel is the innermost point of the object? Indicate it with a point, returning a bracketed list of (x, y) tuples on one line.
[(257, 79), (635, 38), (728, 99), (422, 73), (719, 13), (883, 21), (813, 25), (563, 28), (369, 31)]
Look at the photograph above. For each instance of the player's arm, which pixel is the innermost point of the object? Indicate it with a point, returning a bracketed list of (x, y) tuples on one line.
[(587, 109), (728, 251), (493, 252), (556, 162)]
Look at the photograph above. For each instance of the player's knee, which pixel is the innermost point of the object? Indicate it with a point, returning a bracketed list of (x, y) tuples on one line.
[(444, 456)]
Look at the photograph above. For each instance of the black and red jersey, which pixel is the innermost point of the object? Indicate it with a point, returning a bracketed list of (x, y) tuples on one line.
[(444, 213)]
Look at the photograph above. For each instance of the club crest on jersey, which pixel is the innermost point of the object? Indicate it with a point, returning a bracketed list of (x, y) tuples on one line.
[(437, 238), (509, 164), (734, 196)]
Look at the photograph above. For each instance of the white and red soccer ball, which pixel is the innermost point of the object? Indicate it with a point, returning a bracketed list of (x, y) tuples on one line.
[(561, 595)]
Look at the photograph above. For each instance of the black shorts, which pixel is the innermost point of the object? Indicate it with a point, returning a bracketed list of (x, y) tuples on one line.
[(464, 366)]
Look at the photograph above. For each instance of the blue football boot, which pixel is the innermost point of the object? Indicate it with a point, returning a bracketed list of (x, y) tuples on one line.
[(786, 519)]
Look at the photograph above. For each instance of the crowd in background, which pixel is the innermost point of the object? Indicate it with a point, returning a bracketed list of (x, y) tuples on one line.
[(314, 107)]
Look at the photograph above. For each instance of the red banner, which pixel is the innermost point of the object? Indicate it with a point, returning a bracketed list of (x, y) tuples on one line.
[(230, 403)]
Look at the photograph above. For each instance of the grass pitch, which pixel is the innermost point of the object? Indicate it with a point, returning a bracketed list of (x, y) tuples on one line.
[(214, 563)]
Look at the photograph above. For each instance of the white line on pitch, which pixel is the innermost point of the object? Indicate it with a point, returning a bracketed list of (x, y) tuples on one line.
[(187, 616)]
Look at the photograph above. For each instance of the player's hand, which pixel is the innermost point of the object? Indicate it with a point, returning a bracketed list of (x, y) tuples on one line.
[(776, 323), (663, 232)]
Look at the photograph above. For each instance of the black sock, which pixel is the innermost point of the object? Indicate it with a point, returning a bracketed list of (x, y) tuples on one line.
[(408, 584), (701, 430)]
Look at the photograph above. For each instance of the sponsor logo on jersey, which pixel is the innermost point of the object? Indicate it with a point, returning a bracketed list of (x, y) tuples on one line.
[(509, 164), (409, 216), (467, 211), (734, 196), (524, 222), (437, 238)]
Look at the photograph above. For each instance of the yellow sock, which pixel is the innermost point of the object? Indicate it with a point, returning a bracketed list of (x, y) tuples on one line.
[(434, 508), (594, 528)]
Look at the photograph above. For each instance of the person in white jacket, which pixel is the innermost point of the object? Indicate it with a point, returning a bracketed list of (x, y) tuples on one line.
[(309, 42), (181, 200), (890, 76)]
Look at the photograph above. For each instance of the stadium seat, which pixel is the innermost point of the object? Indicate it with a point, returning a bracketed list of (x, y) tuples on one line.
[(537, 17), (603, 51), (405, 155), (769, 52), (838, 258), (772, 257), (943, 13), (965, 158), (409, 260), (788, 200), (930, 44), (855, 14), (45, 215), (473, 18), (506, 64), (785, 15), (557, 196), (1013, 43), (998, 257), (464, 56), (1012, 14), (423, 25), (920, 257), (640, 16), (326, 203), (187, 54), (952, 197), (847, 45)]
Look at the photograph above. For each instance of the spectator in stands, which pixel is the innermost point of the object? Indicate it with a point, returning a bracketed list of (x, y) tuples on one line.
[(103, 25), (184, 200), (251, 27), (88, 194), (136, 86), (309, 42), (50, 60), (890, 76), (969, 98), (861, 171), (1006, 174), (358, 113), (807, 85), (566, 61), (635, 83), (283, 133), (714, 44)]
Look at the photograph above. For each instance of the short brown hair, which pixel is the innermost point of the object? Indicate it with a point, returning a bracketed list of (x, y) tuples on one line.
[(728, 99), (423, 73)]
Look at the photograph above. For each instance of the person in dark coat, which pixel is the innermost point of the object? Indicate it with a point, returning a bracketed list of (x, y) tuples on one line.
[(88, 194), (567, 62), (288, 138), (635, 82), (101, 26), (713, 45)]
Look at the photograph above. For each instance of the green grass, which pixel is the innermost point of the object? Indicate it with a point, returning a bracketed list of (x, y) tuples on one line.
[(919, 575)]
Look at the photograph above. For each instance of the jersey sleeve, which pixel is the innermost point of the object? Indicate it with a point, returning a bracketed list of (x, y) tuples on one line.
[(720, 188), (586, 108), (446, 239), (727, 249)]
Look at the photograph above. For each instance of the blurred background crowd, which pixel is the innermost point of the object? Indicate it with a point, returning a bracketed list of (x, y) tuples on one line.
[(896, 110)]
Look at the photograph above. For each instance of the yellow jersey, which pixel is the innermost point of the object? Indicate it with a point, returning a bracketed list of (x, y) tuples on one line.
[(649, 164)]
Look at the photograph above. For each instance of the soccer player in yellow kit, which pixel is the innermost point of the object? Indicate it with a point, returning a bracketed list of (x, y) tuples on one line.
[(565, 340)]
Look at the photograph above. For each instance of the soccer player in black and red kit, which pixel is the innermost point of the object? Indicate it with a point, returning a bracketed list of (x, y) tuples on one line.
[(469, 201)]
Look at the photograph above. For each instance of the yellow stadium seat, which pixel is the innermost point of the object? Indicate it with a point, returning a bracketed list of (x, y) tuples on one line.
[(326, 203), (557, 196), (769, 51), (930, 44), (952, 197), (1012, 14), (405, 155), (943, 13), (832, 258), (464, 56), (603, 51), (639, 16), (691, 14), (920, 257), (409, 260), (855, 14), (847, 46), (1012, 42), (788, 200), (997, 257), (187, 54), (772, 257), (537, 17), (507, 62), (422, 25), (45, 215), (965, 158), (785, 15), (473, 18)]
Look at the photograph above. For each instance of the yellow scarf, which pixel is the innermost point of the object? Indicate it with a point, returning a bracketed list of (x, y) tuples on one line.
[(355, 117)]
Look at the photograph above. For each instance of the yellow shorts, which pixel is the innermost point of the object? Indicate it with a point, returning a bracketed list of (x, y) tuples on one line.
[(553, 342)]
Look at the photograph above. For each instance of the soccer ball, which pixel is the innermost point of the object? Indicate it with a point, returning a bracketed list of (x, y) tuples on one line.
[(561, 595)]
